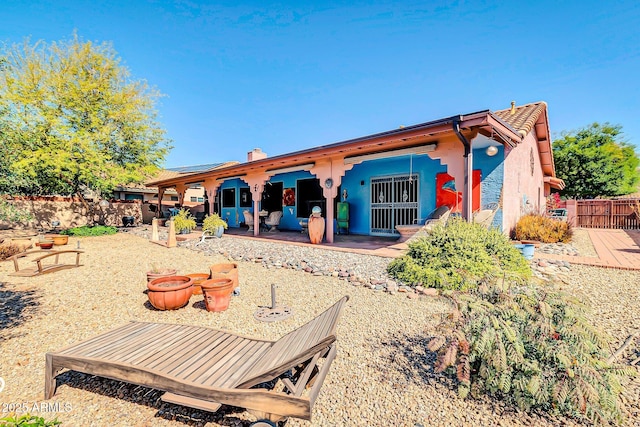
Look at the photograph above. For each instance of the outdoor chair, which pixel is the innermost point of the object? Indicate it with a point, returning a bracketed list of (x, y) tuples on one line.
[(484, 217), (422, 227), (204, 368), (273, 220), (200, 217), (248, 219)]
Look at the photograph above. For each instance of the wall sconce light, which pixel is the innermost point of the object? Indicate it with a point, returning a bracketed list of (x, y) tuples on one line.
[(255, 187), (104, 203), (492, 150)]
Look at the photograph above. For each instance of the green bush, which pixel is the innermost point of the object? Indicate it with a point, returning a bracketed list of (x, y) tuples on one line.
[(534, 348), (459, 256), (184, 220), (27, 421), (543, 229), (85, 230)]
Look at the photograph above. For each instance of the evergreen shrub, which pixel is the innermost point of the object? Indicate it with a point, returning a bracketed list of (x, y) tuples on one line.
[(533, 347), (459, 255)]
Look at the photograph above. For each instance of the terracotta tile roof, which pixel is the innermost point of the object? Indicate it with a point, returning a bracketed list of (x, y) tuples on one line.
[(521, 118)]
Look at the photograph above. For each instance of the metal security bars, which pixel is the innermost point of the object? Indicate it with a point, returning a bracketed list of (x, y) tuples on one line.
[(394, 201)]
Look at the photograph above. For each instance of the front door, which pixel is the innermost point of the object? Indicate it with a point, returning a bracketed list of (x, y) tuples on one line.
[(394, 201)]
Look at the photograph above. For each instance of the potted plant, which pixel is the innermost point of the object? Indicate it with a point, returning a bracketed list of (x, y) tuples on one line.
[(214, 225), (184, 221), (170, 293)]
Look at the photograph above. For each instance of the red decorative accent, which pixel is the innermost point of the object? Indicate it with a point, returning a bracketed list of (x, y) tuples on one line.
[(447, 196)]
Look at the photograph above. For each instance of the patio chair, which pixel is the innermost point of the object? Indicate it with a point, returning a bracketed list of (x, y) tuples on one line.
[(273, 220), (248, 219), (485, 216), (204, 368), (422, 227)]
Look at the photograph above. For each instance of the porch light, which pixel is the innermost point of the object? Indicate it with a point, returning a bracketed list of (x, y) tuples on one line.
[(492, 150)]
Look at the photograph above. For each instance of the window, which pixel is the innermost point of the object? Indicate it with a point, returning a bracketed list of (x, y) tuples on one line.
[(194, 199), (229, 198), (201, 199), (174, 198), (245, 197)]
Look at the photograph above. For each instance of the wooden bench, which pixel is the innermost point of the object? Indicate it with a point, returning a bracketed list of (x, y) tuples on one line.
[(40, 267)]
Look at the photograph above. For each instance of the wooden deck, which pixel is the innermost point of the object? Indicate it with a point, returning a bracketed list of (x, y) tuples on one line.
[(615, 248), (203, 367)]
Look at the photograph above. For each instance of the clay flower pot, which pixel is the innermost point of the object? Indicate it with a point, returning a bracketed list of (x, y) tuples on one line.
[(45, 244), (217, 293), (170, 293), (58, 239), (151, 275), (198, 278), (226, 270), (316, 229)]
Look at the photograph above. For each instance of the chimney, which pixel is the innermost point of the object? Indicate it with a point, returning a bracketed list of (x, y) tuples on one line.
[(256, 154), (513, 108)]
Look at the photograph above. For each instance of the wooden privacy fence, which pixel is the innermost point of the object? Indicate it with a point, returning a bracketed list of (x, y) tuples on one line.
[(602, 213)]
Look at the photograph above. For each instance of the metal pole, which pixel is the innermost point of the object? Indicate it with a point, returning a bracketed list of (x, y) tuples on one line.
[(273, 296)]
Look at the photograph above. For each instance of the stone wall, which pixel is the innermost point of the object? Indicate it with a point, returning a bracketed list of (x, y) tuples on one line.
[(71, 212)]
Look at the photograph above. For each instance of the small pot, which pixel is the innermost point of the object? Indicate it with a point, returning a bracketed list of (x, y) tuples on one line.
[(170, 293), (128, 221), (198, 278), (45, 244), (217, 293), (58, 239), (164, 273)]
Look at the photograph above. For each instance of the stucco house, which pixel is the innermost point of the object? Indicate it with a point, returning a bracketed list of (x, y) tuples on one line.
[(468, 161)]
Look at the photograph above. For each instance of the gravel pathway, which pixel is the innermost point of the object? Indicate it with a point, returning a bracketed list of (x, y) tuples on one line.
[(382, 375)]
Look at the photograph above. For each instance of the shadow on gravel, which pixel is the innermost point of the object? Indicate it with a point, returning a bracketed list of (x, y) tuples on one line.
[(406, 359), (16, 308), (151, 398)]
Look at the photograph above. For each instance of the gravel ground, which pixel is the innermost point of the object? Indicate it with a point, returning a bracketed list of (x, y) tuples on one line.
[(382, 375)]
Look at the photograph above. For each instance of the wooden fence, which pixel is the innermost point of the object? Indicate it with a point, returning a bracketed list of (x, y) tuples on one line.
[(601, 213)]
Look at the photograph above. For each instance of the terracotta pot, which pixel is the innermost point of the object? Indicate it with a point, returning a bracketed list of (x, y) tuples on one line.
[(45, 244), (164, 273), (316, 229), (531, 242), (217, 293), (170, 293), (198, 278), (58, 239), (227, 270)]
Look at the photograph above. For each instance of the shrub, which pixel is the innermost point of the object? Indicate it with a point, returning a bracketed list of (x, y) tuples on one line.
[(459, 256), (10, 249), (212, 222), (543, 229), (184, 220), (85, 230), (534, 348), (27, 420)]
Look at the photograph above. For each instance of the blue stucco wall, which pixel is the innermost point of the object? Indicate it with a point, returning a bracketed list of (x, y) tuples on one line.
[(289, 219), (492, 171), (357, 182)]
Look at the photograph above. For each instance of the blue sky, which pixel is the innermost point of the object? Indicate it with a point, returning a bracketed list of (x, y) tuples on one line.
[(285, 76)]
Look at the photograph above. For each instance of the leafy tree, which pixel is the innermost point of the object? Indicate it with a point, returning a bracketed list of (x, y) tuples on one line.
[(594, 161), (71, 119)]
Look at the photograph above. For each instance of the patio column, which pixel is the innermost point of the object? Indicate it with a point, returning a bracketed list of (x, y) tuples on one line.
[(160, 196), (181, 190), (256, 186), (211, 187), (330, 172)]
